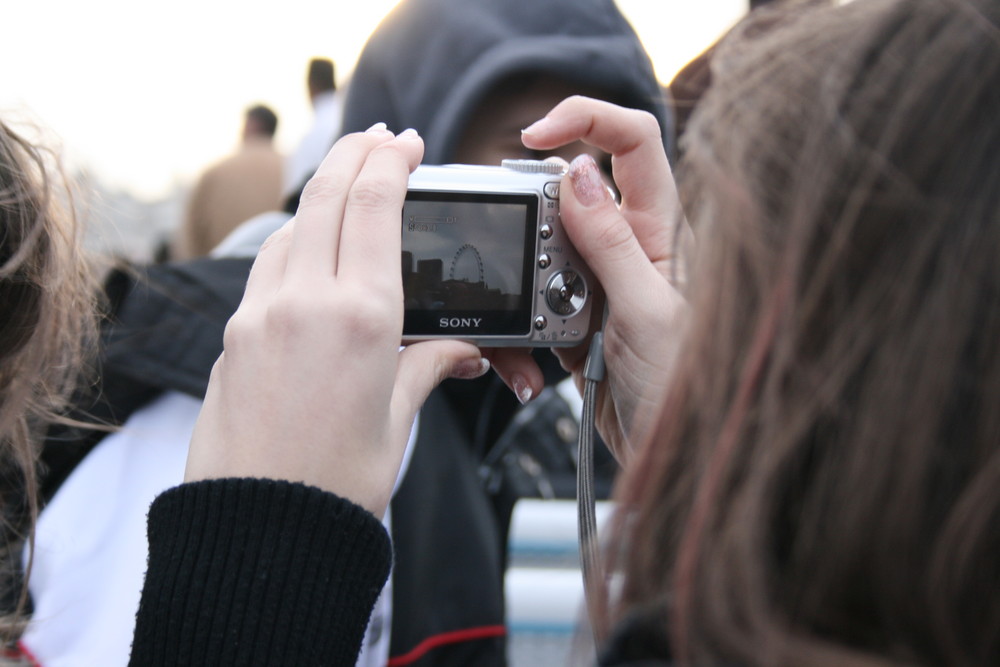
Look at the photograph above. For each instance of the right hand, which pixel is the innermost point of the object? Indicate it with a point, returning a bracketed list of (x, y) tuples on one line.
[(634, 250)]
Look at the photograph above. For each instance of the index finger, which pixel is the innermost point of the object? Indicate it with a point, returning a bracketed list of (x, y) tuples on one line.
[(371, 237), (631, 136), (642, 173)]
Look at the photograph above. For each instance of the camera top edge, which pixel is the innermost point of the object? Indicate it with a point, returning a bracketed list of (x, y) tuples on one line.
[(528, 174)]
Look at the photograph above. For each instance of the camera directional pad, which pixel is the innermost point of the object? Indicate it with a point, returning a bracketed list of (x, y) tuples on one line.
[(566, 292)]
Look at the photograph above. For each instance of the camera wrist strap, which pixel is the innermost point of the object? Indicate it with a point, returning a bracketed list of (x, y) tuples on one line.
[(594, 583)]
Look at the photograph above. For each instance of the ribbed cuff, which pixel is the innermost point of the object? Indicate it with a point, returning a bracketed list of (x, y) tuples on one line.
[(255, 572)]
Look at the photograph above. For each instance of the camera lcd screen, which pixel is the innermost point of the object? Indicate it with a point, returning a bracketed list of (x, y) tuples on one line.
[(468, 263)]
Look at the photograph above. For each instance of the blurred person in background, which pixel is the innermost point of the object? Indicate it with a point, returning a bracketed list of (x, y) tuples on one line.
[(321, 85), (235, 189)]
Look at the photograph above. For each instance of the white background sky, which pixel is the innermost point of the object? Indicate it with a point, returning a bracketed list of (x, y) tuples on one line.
[(145, 95)]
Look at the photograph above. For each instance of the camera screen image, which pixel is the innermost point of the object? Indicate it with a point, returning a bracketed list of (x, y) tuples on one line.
[(467, 262)]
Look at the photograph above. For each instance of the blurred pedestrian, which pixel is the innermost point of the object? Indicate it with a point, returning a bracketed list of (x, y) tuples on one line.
[(235, 189), (321, 83)]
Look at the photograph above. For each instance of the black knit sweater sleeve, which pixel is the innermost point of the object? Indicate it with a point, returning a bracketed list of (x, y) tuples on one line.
[(258, 572)]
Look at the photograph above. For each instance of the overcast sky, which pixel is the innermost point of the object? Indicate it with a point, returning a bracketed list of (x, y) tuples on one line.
[(145, 95)]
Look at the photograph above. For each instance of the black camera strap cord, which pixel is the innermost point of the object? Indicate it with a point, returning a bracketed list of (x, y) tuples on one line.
[(594, 581)]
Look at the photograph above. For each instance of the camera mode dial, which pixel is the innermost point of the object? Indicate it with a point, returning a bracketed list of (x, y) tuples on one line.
[(534, 166), (566, 292)]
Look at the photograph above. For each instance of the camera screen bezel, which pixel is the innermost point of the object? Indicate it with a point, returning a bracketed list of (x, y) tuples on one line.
[(514, 322)]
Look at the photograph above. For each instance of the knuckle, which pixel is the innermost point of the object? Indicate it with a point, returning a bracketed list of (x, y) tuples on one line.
[(371, 193), (294, 317), (217, 369), (239, 329), (367, 318), (320, 188), (577, 100), (290, 313), (648, 125), (612, 238), (280, 238)]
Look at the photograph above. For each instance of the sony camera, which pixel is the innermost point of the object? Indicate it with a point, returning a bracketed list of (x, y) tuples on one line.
[(485, 258)]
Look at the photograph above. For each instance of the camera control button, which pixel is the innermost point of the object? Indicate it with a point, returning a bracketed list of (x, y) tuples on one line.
[(551, 190), (541, 323), (544, 261), (545, 232), (566, 292)]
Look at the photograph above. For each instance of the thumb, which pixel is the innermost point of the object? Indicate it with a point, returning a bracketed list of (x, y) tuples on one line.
[(423, 366)]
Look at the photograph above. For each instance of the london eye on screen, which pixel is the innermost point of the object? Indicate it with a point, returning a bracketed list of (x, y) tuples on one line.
[(462, 255)]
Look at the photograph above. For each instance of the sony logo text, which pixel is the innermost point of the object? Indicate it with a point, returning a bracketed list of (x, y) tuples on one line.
[(456, 322)]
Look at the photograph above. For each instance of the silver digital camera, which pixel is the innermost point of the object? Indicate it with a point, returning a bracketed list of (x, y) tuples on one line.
[(485, 258)]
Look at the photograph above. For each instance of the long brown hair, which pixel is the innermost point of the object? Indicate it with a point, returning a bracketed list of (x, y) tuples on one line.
[(825, 485), (47, 322)]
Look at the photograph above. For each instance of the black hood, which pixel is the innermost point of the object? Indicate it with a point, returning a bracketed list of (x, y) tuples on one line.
[(431, 62)]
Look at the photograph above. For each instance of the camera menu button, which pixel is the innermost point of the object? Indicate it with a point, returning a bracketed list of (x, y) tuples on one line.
[(544, 261)]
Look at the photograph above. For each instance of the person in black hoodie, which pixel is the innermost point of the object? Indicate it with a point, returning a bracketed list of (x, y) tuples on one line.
[(468, 75), (431, 64)]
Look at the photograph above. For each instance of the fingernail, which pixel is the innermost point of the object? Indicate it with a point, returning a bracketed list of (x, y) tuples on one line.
[(588, 186), (538, 127), (470, 369), (408, 133), (521, 389), (377, 127)]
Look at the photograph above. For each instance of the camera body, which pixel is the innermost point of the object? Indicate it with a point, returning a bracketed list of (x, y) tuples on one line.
[(486, 260)]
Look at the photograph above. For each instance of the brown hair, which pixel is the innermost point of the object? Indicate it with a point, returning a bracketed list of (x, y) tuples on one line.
[(47, 320), (825, 485)]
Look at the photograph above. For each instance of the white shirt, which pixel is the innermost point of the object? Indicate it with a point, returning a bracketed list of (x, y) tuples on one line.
[(303, 161)]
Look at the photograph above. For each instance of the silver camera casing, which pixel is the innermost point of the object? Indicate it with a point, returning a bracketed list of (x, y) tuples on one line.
[(485, 258)]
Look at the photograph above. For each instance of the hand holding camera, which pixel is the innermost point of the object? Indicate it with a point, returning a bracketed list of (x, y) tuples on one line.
[(315, 342), (316, 337), (634, 251)]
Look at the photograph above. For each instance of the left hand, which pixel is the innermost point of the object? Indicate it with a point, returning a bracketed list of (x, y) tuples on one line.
[(311, 385)]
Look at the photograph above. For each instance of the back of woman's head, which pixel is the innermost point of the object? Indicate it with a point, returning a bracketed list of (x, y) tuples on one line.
[(46, 319), (826, 487)]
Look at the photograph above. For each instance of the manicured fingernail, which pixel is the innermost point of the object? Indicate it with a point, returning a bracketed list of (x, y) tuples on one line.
[(470, 369), (408, 133), (377, 127), (588, 186), (521, 389), (538, 127)]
